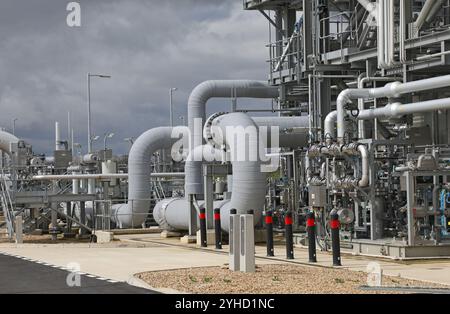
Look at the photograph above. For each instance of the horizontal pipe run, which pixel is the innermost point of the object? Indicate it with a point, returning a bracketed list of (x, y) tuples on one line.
[(397, 109), (395, 89), (103, 176)]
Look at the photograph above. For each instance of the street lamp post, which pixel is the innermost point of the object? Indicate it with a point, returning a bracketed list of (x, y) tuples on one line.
[(89, 75), (92, 140), (107, 135), (171, 104)]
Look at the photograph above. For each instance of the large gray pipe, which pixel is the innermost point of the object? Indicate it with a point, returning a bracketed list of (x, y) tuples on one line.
[(293, 133), (6, 139), (397, 109), (249, 181), (426, 12), (395, 89), (224, 89), (134, 213), (173, 213)]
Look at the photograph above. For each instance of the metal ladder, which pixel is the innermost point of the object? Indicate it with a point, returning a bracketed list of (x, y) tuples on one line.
[(7, 205)]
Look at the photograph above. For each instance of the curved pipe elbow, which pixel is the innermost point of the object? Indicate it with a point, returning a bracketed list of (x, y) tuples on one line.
[(364, 181)]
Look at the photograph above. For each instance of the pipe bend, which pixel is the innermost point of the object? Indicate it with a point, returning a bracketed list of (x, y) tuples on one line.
[(364, 153)]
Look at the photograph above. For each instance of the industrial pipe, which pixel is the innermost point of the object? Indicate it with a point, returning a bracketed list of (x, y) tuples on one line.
[(6, 139), (395, 89), (396, 110), (218, 88), (249, 181), (139, 190), (103, 176)]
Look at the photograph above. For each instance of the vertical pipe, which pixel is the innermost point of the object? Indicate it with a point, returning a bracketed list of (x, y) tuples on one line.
[(82, 217), (335, 241), (57, 136), (289, 235), (202, 217), (218, 228), (311, 228), (269, 230)]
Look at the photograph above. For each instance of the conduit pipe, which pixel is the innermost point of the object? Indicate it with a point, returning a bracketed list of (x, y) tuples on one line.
[(133, 213), (362, 80), (218, 88), (396, 110), (351, 149), (76, 176), (395, 89), (423, 15)]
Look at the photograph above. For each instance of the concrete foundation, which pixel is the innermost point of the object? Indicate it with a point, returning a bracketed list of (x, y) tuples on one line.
[(104, 236)]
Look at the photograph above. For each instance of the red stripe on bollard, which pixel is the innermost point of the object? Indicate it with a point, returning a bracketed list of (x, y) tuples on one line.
[(310, 222), (334, 224), (216, 216), (202, 216), (288, 220), (269, 220)]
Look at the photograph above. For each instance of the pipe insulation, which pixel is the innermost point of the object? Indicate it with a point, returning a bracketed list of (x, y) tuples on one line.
[(6, 139), (249, 179), (396, 110), (134, 213), (293, 133), (224, 89), (395, 89)]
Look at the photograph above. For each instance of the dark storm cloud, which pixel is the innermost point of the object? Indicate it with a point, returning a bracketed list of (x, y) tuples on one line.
[(147, 46)]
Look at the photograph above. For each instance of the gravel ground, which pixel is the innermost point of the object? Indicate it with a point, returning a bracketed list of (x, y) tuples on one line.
[(273, 279)]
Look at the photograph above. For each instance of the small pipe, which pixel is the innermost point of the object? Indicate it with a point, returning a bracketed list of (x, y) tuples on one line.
[(395, 89), (103, 176)]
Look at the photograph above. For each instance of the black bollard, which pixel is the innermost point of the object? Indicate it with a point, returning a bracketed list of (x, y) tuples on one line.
[(269, 230), (289, 236), (335, 242), (218, 228), (233, 211), (202, 217), (311, 228)]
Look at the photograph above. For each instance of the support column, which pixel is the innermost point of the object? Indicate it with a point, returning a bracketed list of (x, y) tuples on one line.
[(410, 204), (82, 217)]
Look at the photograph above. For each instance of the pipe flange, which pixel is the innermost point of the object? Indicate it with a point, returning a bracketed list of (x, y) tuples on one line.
[(207, 133)]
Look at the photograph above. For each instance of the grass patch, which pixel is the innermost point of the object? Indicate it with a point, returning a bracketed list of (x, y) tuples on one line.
[(193, 279), (207, 279)]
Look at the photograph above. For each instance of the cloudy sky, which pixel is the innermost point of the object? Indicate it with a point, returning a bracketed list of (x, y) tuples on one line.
[(147, 46)]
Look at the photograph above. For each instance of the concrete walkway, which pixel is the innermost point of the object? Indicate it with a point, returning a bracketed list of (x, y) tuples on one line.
[(139, 253)]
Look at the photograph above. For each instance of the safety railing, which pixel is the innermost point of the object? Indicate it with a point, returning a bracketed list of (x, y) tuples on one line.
[(103, 214), (7, 204), (285, 56)]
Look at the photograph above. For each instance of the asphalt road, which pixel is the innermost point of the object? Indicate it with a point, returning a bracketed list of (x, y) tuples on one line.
[(18, 276)]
